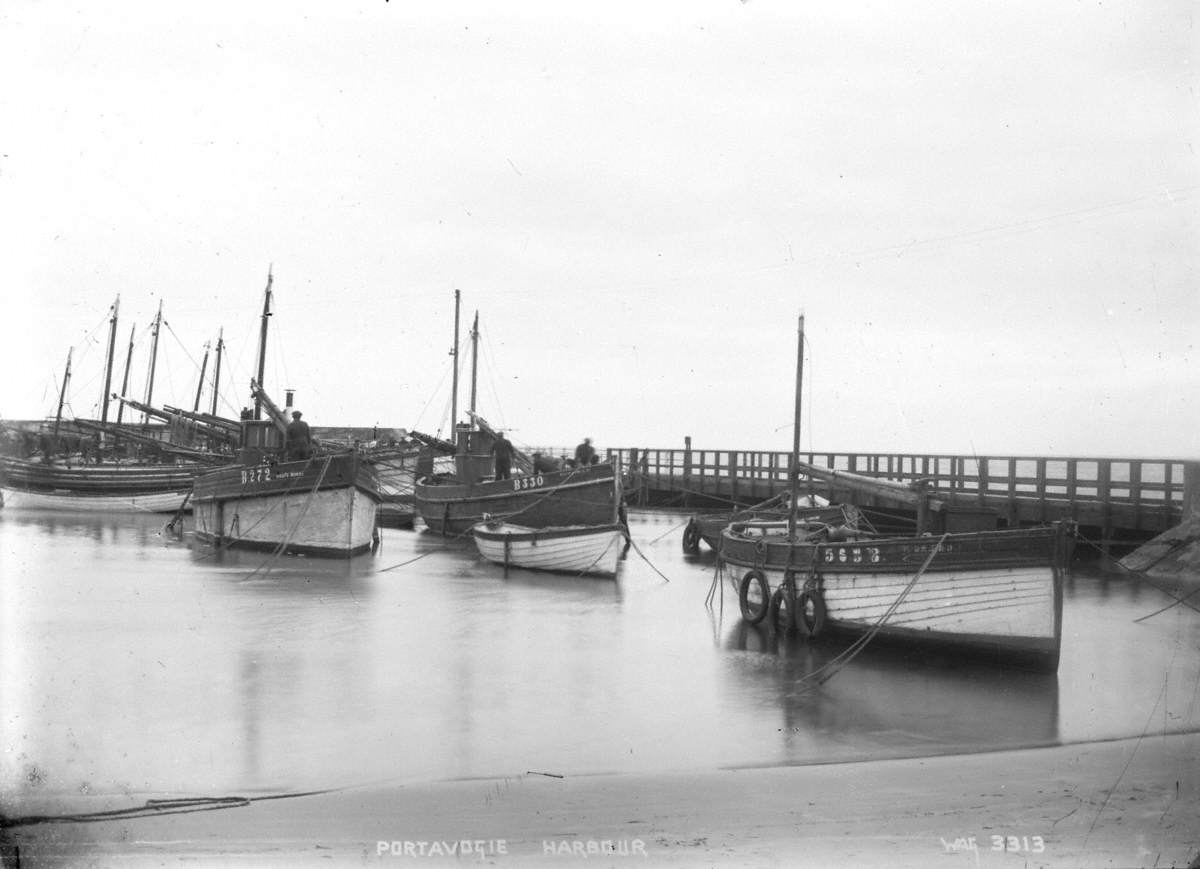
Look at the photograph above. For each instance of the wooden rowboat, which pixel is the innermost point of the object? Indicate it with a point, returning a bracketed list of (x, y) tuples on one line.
[(578, 549), (991, 593), (707, 527), (994, 592)]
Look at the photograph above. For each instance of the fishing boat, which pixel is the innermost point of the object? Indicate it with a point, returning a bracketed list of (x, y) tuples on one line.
[(578, 549), (325, 505), (996, 593), (451, 504), (100, 466), (29, 485)]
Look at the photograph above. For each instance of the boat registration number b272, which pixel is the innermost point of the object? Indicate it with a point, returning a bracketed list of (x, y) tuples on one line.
[(531, 482), (260, 474)]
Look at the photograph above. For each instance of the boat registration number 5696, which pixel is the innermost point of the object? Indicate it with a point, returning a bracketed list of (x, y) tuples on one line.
[(533, 482), (261, 474)]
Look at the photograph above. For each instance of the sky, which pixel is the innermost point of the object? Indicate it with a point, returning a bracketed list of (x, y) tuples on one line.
[(987, 213)]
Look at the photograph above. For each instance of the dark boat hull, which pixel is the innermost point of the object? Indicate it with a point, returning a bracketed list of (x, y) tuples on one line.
[(100, 488), (577, 496)]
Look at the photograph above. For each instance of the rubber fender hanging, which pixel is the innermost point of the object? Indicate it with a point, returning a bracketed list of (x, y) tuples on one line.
[(691, 538), (810, 610), (782, 610), (754, 596)]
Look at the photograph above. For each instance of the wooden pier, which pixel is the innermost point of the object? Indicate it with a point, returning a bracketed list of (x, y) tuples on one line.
[(1122, 501)]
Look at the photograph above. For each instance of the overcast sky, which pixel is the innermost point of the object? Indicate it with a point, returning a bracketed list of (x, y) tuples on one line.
[(989, 214)]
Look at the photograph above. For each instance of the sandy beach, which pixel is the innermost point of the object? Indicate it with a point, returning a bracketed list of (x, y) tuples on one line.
[(1124, 803)]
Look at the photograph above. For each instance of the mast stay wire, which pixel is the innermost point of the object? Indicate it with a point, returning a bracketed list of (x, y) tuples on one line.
[(491, 372)]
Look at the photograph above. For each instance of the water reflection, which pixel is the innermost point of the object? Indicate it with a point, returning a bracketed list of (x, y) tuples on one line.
[(900, 700), (140, 529)]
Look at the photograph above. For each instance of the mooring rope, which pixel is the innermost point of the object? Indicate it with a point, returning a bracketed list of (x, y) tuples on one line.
[(835, 664), (1146, 579), (712, 589), (670, 530), (647, 560), (279, 550)]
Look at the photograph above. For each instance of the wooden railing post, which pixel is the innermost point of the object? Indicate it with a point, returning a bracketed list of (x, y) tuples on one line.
[(1104, 490), (1135, 491), (687, 470), (1040, 489), (1190, 509), (1014, 516)]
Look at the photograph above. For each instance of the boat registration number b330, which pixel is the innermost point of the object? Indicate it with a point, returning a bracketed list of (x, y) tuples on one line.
[(531, 482)]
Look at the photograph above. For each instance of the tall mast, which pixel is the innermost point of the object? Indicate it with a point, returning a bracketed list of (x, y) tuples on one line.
[(200, 384), (153, 361), (795, 474), (262, 342), (108, 361), (454, 355), (125, 379), (474, 363), (62, 397), (217, 369)]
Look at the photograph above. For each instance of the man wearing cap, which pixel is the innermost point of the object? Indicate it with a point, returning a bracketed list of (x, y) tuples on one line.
[(585, 454), (298, 441)]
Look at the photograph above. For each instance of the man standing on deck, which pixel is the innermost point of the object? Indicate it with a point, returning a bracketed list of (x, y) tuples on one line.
[(502, 449), (299, 440), (585, 454)]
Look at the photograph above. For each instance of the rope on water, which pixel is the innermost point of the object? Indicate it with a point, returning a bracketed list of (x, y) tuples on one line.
[(154, 808), (634, 546), (670, 530), (440, 548), (716, 580), (1146, 579)]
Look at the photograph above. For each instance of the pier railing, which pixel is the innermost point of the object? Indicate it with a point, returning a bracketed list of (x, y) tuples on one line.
[(1111, 493)]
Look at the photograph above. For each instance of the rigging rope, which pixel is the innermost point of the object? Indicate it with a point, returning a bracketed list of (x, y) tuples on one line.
[(834, 665)]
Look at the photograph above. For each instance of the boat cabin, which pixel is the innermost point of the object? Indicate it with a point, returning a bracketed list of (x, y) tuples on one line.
[(261, 440), (473, 454)]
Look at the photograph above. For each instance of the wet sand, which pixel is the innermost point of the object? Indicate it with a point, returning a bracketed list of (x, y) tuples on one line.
[(1123, 803)]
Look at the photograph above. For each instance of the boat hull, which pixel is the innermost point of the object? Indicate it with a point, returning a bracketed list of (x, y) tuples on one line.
[(581, 549), (997, 593), (578, 496), (157, 502), (326, 507), (398, 472), (96, 488)]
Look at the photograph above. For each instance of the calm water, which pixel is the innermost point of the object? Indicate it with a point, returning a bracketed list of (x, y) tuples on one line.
[(133, 662)]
